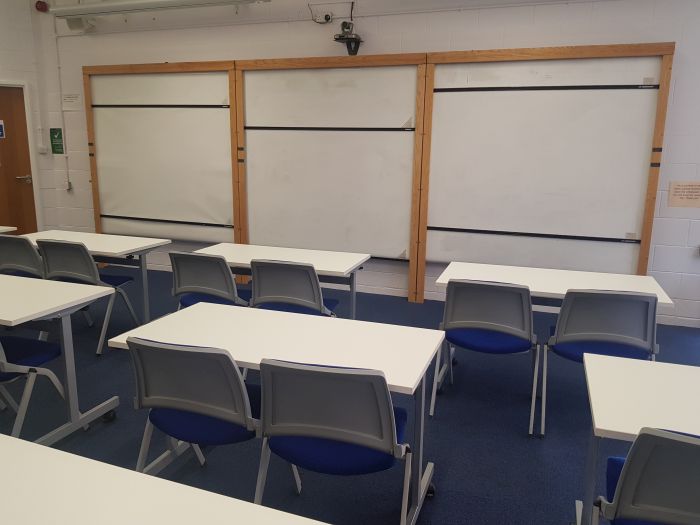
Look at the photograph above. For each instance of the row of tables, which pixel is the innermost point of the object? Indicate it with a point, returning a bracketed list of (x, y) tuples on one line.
[(625, 395)]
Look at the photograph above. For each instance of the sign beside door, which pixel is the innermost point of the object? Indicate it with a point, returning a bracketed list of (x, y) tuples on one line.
[(56, 135), (2, 129)]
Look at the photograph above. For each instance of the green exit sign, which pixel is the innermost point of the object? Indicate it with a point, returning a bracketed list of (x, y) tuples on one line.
[(56, 136)]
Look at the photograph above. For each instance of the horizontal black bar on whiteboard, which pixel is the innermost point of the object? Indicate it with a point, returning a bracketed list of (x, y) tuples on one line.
[(160, 106), (540, 235), (321, 128), (582, 87), (395, 259), (168, 221)]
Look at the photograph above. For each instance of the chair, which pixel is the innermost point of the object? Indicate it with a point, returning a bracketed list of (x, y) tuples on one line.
[(658, 483), (488, 317), (198, 277), (619, 324), (194, 395), (21, 357), (330, 420), (19, 257), (288, 287), (71, 262)]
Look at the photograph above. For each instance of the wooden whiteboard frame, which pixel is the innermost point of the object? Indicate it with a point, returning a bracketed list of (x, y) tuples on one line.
[(664, 50), (404, 59), (226, 66)]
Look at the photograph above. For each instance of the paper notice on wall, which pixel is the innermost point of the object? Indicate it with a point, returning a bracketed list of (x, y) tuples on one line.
[(71, 102), (2, 129), (684, 195)]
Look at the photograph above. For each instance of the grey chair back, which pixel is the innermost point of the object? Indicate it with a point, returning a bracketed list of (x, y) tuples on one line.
[(286, 282), (68, 260), (620, 317), (202, 380), (660, 481), (349, 405), (500, 307), (18, 254), (201, 273)]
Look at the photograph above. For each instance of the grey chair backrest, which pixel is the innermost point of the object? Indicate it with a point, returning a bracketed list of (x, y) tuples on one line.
[(68, 260), (202, 380), (201, 273), (660, 481), (343, 404), (620, 317), (18, 254), (286, 282), (500, 307)]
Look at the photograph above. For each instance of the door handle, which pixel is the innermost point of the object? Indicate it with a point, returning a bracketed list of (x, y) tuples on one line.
[(27, 179)]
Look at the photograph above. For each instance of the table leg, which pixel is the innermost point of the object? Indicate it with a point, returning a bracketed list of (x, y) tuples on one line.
[(591, 473), (144, 282), (420, 478), (77, 419), (353, 295)]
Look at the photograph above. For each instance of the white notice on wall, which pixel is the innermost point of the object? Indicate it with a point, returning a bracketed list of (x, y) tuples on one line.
[(71, 102), (684, 195)]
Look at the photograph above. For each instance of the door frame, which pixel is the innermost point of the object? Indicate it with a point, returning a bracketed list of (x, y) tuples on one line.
[(33, 163)]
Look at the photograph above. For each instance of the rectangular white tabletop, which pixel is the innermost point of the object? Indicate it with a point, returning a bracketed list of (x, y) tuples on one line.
[(403, 353), (629, 394), (102, 243), (6, 229), (52, 486), (23, 299), (553, 283), (335, 264)]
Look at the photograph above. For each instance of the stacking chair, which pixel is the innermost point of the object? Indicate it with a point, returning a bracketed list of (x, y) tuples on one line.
[(658, 483), (330, 420), (23, 358), (19, 257), (71, 262), (194, 395), (198, 277), (619, 324), (288, 287), (488, 317)]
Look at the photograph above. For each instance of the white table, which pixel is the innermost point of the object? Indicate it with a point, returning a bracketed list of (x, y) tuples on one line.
[(627, 395), (52, 486), (7, 229), (114, 249), (250, 335), (23, 300), (553, 283), (331, 267)]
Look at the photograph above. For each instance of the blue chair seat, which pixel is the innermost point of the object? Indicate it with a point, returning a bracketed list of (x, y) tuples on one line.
[(115, 280), (27, 352), (612, 475), (205, 430), (329, 303), (190, 299), (488, 341), (575, 350), (329, 456)]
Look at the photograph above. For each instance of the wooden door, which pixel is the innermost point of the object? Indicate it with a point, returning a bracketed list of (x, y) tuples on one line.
[(16, 185)]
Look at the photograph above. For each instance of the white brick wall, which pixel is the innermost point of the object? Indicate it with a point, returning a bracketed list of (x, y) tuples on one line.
[(675, 259)]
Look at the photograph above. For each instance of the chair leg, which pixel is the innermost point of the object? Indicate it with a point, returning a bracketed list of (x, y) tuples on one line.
[(436, 380), (23, 404), (450, 355), (198, 453), (535, 377), (406, 487), (179, 306), (543, 406), (123, 295), (88, 317), (262, 472), (105, 324), (145, 445), (297, 477), (4, 394)]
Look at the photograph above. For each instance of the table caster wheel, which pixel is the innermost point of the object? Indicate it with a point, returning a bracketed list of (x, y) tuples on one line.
[(110, 416), (430, 493)]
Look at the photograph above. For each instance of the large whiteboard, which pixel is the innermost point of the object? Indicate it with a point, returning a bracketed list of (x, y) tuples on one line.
[(163, 153), (567, 162), (330, 157)]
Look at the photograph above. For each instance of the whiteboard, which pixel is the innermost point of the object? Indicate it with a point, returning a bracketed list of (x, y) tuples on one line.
[(161, 88), (331, 190), (352, 97)]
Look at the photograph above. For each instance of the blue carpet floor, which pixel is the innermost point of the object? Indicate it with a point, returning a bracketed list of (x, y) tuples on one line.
[(488, 471)]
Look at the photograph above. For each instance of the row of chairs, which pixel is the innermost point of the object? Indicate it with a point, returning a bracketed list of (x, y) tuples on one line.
[(496, 318), (324, 419)]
